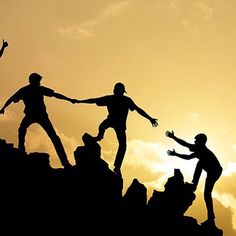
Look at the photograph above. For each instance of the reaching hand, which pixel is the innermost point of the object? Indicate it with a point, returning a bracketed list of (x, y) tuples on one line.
[(170, 134), (2, 111), (171, 153), (154, 122), (4, 43), (74, 101)]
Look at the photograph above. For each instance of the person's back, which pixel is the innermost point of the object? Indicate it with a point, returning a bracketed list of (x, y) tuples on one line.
[(118, 107), (33, 98), (207, 159)]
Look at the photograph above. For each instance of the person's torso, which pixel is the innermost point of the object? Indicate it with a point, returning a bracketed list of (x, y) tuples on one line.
[(33, 98), (209, 161), (118, 108)]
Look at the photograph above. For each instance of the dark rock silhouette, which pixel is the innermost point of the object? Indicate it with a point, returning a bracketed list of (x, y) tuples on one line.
[(88, 197)]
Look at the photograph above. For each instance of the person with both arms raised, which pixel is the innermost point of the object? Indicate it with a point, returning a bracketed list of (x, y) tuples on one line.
[(207, 161)]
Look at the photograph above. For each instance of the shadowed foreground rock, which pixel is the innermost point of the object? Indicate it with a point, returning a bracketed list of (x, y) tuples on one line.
[(87, 198)]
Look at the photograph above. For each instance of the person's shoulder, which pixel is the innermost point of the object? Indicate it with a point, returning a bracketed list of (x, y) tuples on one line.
[(106, 97), (44, 88), (129, 99), (24, 88)]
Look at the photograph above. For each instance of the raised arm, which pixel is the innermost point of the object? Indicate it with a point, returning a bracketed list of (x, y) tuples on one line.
[(4, 45), (144, 114), (61, 96), (178, 140)]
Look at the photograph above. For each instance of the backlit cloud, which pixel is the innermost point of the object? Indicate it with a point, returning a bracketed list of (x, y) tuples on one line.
[(195, 15), (193, 117), (38, 141), (86, 29), (8, 116), (153, 157), (228, 201), (230, 169)]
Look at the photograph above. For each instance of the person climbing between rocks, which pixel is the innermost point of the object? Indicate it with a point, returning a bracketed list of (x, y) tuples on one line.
[(207, 161)]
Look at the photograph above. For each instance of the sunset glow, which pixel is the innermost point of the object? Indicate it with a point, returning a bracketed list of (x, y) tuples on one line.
[(177, 59)]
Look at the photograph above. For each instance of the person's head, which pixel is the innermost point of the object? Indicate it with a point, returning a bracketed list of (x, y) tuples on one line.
[(35, 78), (200, 139), (119, 89)]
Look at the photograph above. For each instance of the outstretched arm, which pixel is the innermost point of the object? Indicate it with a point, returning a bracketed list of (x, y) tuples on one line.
[(4, 45), (183, 156), (178, 140), (144, 114), (90, 100), (8, 102), (60, 96)]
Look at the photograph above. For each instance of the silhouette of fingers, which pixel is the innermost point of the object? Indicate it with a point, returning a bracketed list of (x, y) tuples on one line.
[(171, 153), (167, 133)]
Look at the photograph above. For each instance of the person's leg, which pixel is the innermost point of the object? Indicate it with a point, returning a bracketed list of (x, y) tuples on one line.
[(102, 128), (121, 137), (25, 123), (210, 182), (48, 127)]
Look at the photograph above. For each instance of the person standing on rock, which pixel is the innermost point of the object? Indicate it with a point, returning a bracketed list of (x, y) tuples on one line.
[(35, 112), (118, 106), (207, 161)]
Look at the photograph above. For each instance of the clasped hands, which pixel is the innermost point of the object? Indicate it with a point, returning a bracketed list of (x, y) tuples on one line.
[(74, 101)]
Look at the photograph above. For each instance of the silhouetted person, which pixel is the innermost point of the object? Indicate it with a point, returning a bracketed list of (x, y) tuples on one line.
[(4, 45), (35, 112), (207, 161), (118, 107)]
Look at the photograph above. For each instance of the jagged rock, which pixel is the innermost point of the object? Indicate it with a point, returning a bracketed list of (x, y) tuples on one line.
[(88, 197), (135, 197), (174, 201)]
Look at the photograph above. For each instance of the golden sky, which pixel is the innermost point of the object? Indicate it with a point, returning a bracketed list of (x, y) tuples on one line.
[(177, 59)]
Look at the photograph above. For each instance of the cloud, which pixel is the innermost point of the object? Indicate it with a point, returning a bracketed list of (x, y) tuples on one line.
[(206, 11), (193, 117), (228, 201), (86, 29), (234, 147), (152, 156), (8, 117), (230, 169), (225, 190), (174, 4), (38, 141), (194, 16)]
